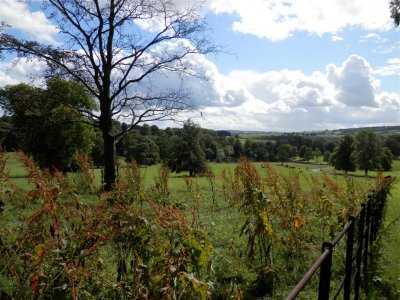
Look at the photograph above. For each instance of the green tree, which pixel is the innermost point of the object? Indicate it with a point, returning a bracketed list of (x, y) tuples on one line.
[(386, 159), (317, 153), (302, 151), (393, 143), (145, 151), (367, 150), (102, 45), (209, 144), (308, 154), (237, 147), (186, 152), (327, 156), (262, 152), (8, 137), (283, 155), (46, 125), (248, 148), (342, 157), (290, 150)]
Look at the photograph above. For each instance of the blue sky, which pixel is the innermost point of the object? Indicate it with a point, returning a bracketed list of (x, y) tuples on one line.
[(291, 65)]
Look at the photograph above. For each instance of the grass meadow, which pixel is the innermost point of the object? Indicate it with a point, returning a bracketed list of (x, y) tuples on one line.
[(202, 199)]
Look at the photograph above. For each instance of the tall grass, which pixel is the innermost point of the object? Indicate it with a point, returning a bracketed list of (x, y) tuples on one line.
[(243, 231)]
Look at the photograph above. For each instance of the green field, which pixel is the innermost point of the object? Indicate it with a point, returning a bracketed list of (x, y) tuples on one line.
[(223, 221)]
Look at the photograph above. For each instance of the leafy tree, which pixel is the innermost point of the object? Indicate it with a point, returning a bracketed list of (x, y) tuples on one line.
[(46, 125), (102, 45), (308, 154), (393, 143), (327, 156), (302, 151), (248, 148), (237, 148), (209, 144), (8, 138), (145, 151), (330, 146), (317, 153), (163, 142), (263, 151), (298, 141), (342, 157), (186, 152), (319, 143), (367, 150), (283, 155), (97, 152), (395, 11), (386, 159), (290, 150)]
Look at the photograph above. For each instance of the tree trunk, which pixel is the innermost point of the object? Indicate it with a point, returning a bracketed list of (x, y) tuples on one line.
[(109, 161), (106, 127)]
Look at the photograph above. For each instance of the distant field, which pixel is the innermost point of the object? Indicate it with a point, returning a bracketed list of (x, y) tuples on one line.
[(258, 136), (329, 135)]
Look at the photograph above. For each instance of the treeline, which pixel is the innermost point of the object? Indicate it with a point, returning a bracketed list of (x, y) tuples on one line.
[(43, 123), (365, 151)]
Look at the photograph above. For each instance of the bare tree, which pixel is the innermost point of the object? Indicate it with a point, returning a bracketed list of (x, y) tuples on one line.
[(395, 11), (102, 44)]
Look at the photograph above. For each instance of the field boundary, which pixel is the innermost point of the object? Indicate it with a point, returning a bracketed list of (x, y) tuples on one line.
[(361, 230)]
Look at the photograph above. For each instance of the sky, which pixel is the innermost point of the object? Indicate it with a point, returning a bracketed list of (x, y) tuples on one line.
[(287, 65)]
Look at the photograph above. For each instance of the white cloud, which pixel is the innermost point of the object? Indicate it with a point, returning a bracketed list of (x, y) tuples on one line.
[(21, 70), (17, 15), (392, 68), (336, 38), (344, 95), (373, 37), (388, 49), (354, 84), (279, 19)]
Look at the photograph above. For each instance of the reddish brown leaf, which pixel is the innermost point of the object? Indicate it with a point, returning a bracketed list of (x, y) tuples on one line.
[(34, 284)]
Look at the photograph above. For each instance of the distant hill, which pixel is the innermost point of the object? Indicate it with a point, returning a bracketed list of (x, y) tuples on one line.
[(383, 131)]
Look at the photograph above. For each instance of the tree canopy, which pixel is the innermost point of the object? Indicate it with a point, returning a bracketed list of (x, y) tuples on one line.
[(367, 150), (342, 157), (186, 151), (46, 123)]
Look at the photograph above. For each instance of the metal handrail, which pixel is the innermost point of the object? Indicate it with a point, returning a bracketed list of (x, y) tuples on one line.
[(369, 219)]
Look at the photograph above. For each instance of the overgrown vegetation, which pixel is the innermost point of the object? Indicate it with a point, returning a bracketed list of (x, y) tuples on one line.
[(239, 233)]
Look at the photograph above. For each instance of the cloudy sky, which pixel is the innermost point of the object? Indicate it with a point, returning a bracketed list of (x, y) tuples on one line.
[(291, 65)]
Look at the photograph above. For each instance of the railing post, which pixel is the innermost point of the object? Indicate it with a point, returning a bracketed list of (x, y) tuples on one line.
[(374, 219), (325, 273), (367, 240), (349, 259), (357, 277)]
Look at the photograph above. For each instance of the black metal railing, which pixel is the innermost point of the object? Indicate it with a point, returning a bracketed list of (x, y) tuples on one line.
[(360, 230)]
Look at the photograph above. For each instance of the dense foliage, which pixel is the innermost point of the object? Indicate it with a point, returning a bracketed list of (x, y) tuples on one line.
[(342, 157), (41, 122)]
